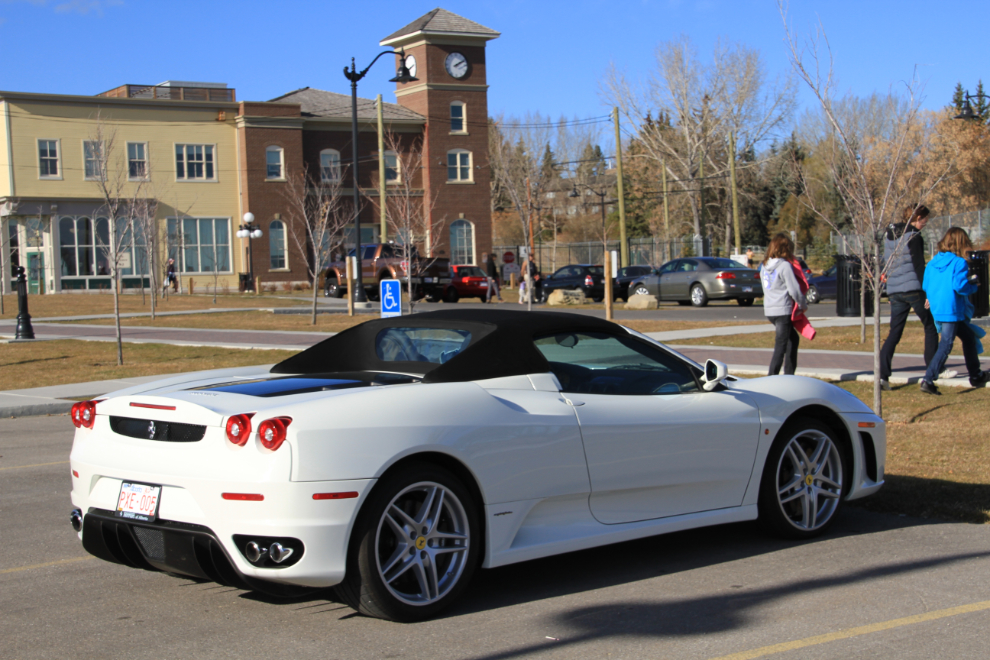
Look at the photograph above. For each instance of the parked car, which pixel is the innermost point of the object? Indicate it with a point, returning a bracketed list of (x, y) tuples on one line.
[(466, 282), (822, 287), (588, 278), (696, 280), (381, 261), (397, 457), (620, 285)]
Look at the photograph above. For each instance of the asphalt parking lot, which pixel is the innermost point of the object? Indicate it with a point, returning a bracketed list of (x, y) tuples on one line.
[(875, 586)]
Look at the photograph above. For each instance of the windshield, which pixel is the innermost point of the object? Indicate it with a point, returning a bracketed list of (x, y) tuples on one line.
[(436, 345)]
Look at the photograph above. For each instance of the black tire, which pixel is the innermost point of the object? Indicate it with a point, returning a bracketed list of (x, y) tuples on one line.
[(379, 542), (597, 299), (699, 297), (785, 485), (450, 295), (333, 288), (433, 297), (745, 302), (683, 303), (813, 296), (641, 290)]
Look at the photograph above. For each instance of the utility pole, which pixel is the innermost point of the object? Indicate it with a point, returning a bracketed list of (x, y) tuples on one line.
[(701, 203), (623, 247), (381, 172), (735, 200), (666, 213)]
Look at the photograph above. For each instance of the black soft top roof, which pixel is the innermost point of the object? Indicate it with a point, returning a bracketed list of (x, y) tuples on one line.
[(501, 345)]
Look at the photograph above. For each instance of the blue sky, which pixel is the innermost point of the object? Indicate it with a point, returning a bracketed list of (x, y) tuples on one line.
[(550, 57)]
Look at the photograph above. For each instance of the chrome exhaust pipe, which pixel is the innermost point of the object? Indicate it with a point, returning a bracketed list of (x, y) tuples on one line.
[(253, 552), (76, 518), (279, 552)]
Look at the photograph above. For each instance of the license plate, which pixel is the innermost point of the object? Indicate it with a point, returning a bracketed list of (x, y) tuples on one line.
[(747, 289), (428, 280), (138, 501), (483, 285)]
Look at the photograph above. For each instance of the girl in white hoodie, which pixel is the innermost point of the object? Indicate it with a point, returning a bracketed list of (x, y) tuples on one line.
[(780, 292)]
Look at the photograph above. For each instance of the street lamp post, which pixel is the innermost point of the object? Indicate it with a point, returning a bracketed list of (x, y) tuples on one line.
[(402, 75), (967, 111), (250, 231)]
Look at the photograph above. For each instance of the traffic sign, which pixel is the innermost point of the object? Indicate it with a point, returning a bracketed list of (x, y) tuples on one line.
[(508, 258), (390, 293)]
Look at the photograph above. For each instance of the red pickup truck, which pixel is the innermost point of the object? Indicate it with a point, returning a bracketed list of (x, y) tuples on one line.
[(385, 261)]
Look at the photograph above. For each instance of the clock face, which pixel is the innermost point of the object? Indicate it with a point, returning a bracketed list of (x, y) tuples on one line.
[(411, 65), (456, 65)]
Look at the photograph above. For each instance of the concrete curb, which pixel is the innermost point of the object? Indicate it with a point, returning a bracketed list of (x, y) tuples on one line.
[(57, 407)]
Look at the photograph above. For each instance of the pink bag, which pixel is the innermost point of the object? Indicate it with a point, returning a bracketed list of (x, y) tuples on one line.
[(802, 324)]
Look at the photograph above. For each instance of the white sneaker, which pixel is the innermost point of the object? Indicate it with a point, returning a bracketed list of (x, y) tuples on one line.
[(884, 385), (948, 373)]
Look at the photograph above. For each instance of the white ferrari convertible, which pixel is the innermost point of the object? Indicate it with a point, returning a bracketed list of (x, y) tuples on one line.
[(395, 458)]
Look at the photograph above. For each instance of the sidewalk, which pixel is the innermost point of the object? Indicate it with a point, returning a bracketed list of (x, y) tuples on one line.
[(826, 365)]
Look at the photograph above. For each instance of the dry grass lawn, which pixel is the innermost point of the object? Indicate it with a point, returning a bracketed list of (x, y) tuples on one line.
[(938, 453), (832, 339), (77, 304), (43, 363)]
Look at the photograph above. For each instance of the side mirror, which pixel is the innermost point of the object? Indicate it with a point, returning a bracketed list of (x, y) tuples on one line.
[(715, 373)]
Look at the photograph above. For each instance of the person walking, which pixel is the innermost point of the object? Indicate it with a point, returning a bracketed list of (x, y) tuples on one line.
[(781, 294), (948, 285), (170, 278), (491, 271), (904, 255)]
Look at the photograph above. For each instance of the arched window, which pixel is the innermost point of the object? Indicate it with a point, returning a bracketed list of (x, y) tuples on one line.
[(329, 165), (461, 242), (459, 166), (458, 117), (274, 163), (392, 172), (276, 245)]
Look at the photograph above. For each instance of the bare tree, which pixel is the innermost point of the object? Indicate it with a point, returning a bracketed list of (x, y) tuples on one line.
[(317, 218), (872, 154), (409, 212), (119, 196), (147, 227)]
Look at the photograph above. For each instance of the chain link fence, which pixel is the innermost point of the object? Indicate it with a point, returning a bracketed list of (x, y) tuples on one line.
[(976, 223), (642, 252)]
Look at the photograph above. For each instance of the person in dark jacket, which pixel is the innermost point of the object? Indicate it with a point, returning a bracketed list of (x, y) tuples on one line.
[(904, 254), (491, 271), (948, 285)]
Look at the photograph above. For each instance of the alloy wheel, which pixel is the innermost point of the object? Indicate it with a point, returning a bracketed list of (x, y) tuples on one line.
[(809, 480), (422, 543)]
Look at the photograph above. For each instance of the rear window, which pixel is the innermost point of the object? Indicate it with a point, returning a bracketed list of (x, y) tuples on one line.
[(596, 270), (436, 345), (469, 271), (724, 263)]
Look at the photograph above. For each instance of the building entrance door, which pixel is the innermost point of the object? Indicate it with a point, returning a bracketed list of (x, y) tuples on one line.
[(36, 272)]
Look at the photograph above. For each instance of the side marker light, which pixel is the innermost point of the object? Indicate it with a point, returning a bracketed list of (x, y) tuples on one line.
[(335, 496)]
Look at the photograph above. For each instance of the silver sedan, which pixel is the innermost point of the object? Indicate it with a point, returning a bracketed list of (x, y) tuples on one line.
[(696, 280)]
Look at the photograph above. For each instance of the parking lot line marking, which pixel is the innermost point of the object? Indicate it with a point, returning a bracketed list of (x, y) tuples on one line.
[(18, 467), (45, 565), (856, 632)]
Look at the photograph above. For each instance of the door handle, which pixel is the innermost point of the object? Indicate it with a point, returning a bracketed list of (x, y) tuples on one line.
[(573, 403)]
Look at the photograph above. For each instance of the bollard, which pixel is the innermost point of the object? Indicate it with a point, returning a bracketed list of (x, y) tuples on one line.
[(24, 329)]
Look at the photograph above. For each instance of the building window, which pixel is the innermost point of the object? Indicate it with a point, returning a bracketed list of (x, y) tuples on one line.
[(461, 242), (458, 121), (83, 246), (329, 165), (194, 162), (392, 173), (551, 195), (137, 160), (276, 244), (459, 165), (199, 245), (48, 166), (92, 159), (274, 167)]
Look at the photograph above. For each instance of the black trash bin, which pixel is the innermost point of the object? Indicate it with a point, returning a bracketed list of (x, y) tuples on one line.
[(244, 282), (848, 282), (979, 263)]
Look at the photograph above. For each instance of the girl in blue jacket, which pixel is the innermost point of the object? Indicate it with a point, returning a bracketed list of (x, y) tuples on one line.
[(948, 286)]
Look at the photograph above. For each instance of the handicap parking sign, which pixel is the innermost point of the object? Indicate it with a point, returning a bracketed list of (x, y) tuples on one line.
[(390, 292)]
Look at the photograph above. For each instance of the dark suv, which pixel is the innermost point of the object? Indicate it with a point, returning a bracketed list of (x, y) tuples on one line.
[(588, 278)]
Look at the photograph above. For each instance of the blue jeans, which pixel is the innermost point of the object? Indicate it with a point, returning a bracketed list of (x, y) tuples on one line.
[(900, 306), (968, 339)]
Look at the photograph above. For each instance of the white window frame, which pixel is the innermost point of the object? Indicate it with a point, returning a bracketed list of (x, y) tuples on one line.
[(334, 169), (145, 160), (463, 129), (284, 247), (177, 249), (454, 254), (185, 163), (58, 159), (273, 149), (397, 169), (87, 160), (458, 154)]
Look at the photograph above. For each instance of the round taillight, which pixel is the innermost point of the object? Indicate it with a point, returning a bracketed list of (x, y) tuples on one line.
[(271, 432), (84, 414), (238, 429)]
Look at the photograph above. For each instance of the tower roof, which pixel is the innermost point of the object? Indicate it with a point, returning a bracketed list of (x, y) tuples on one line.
[(320, 103), (441, 22)]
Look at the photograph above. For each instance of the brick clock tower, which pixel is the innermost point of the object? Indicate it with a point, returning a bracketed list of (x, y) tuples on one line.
[(446, 52)]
